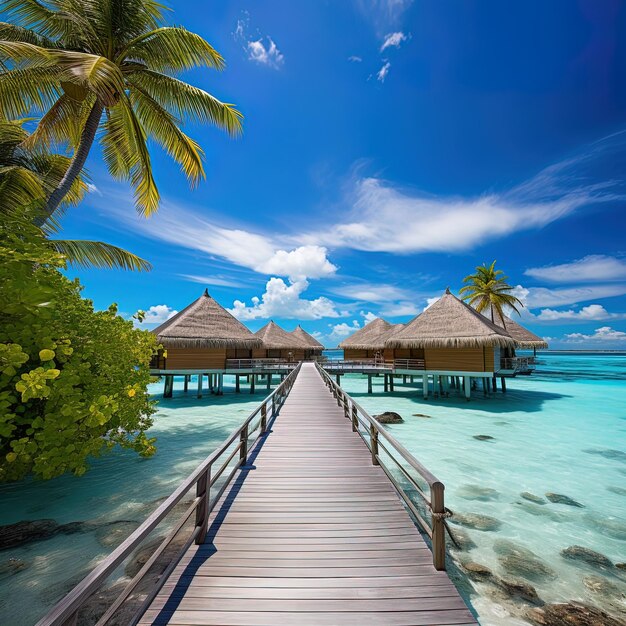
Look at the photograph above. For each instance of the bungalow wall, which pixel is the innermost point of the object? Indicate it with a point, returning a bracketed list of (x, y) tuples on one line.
[(196, 358), (352, 354), (459, 359), (294, 354)]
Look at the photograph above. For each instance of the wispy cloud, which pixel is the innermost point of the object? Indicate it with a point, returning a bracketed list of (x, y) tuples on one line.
[(260, 48), (393, 40), (592, 268), (211, 280), (601, 336), (540, 297), (282, 300), (355, 59), (591, 312), (383, 14), (370, 292), (400, 309), (383, 71)]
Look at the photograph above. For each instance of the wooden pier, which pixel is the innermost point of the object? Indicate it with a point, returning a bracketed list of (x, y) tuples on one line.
[(314, 528)]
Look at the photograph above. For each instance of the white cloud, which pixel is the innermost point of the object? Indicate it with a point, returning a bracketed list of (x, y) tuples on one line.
[(339, 331), (592, 312), (283, 301), (393, 40), (93, 189), (399, 309), (158, 314), (243, 248), (539, 297), (431, 301), (369, 292), (211, 280), (355, 59), (592, 268), (383, 14), (602, 335), (265, 53), (368, 317), (383, 71)]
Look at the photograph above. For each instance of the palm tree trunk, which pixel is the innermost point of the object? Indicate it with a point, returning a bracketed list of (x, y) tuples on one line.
[(78, 162)]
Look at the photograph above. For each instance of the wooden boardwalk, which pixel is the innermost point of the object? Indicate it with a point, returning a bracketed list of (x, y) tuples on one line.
[(311, 533)]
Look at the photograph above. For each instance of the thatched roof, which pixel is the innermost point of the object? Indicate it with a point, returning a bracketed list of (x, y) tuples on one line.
[(371, 337), (309, 340), (450, 323), (205, 324), (522, 336), (276, 338)]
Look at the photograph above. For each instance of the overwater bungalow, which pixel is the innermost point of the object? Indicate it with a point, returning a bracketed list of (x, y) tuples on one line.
[(277, 343), (313, 347), (457, 344), (369, 342), (202, 337)]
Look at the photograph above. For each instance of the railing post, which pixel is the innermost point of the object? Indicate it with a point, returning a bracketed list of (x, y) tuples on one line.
[(374, 443), (339, 396), (202, 510), (243, 450), (346, 408), (264, 417), (438, 526), (355, 422)]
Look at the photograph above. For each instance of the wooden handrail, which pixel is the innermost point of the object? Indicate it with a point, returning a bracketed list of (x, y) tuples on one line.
[(67, 608), (376, 432)]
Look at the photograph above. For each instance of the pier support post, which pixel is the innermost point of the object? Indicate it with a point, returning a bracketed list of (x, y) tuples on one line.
[(199, 385), (404, 379), (391, 383), (503, 384), (269, 381), (495, 383), (338, 379), (221, 384), (237, 384), (468, 387), (369, 383), (252, 383), (386, 383), (186, 385), (425, 386), (485, 385)]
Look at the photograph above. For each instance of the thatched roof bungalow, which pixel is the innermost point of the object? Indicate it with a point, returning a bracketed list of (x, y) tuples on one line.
[(523, 337), (313, 346), (370, 340), (203, 335), (278, 343), (451, 336)]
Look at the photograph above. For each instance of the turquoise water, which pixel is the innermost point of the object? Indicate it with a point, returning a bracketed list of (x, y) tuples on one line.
[(561, 430)]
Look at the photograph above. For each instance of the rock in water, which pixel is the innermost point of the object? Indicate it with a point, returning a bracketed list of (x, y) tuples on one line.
[(559, 498), (476, 521), (607, 525), (389, 417), (620, 491), (476, 571), (21, 533), (601, 586), (608, 453), (484, 437), (112, 534), (519, 561), (476, 492), (12, 566), (422, 415), (462, 539), (588, 556), (621, 566), (531, 497), (518, 589), (571, 614)]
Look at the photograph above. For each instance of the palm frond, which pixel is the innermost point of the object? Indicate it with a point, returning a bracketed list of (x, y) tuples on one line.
[(188, 102), (100, 255), (23, 91), (13, 32), (172, 49)]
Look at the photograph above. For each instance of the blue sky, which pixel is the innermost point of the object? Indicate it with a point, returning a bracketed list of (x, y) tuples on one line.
[(389, 147)]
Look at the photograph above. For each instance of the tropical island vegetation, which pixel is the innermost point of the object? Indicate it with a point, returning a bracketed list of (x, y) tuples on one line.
[(73, 380)]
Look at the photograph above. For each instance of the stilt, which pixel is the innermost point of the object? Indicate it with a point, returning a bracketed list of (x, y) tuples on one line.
[(425, 386), (386, 383), (468, 387), (252, 383), (237, 384), (503, 384), (495, 383), (199, 385), (412, 379), (369, 383), (404, 379), (391, 383), (211, 388), (269, 381), (186, 385), (338, 379), (220, 384), (168, 387), (485, 385)]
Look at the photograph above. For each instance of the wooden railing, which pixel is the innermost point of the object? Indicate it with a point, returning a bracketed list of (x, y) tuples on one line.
[(378, 439), (203, 479), (517, 364), (353, 364), (260, 364), (409, 364)]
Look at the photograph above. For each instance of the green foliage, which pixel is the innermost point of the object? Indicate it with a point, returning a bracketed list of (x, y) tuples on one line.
[(72, 380), (487, 290)]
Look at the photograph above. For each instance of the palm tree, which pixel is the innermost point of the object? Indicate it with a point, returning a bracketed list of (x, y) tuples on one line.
[(27, 178), (108, 65), (488, 289)]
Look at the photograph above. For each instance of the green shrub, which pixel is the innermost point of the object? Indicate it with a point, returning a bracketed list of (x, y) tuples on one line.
[(72, 380)]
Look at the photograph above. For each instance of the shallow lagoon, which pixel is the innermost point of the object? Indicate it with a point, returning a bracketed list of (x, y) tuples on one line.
[(550, 433)]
